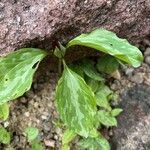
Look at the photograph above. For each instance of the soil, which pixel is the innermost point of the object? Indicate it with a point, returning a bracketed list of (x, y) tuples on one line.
[(36, 108)]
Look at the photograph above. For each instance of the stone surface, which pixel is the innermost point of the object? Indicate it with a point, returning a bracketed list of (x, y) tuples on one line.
[(41, 23), (133, 131)]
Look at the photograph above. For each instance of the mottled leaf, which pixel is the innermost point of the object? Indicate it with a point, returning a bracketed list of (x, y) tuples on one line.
[(10, 148), (75, 102), (107, 64), (36, 145), (60, 50), (57, 52), (4, 111), (104, 145), (106, 118), (98, 143), (31, 133), (4, 136), (102, 96), (93, 84), (77, 69), (89, 69), (115, 112), (68, 136), (16, 72), (65, 147), (107, 42)]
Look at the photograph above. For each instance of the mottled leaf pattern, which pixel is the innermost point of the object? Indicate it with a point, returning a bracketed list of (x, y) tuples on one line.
[(107, 42), (106, 118), (107, 64), (75, 102), (98, 143), (93, 84), (31, 133), (16, 72), (89, 69), (4, 111), (102, 96), (65, 147), (36, 145), (115, 112), (68, 136), (4, 136)]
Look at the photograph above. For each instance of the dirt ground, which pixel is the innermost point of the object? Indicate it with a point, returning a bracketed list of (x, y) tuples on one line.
[(36, 108)]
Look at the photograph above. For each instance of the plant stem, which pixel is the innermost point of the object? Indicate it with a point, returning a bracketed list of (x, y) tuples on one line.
[(59, 66)]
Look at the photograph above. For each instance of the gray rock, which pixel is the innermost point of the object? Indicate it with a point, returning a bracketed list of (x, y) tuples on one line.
[(147, 60), (133, 131), (41, 23), (138, 78), (147, 52)]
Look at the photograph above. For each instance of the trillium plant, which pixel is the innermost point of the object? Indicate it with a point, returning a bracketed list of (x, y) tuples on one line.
[(83, 100)]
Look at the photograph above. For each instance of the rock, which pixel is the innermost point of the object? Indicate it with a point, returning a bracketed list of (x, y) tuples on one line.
[(147, 79), (41, 23), (129, 71), (116, 75), (6, 124), (27, 114), (147, 52), (133, 131), (49, 143), (147, 60), (137, 78)]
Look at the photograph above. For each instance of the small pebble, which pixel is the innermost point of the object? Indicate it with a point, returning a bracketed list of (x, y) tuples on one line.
[(58, 131), (27, 114), (36, 104), (23, 99), (49, 143), (129, 71), (116, 75), (6, 124), (147, 42), (56, 137), (147, 60), (147, 52), (138, 78), (2, 5), (44, 117)]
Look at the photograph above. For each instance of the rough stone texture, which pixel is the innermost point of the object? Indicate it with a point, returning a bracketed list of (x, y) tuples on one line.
[(38, 23), (133, 131)]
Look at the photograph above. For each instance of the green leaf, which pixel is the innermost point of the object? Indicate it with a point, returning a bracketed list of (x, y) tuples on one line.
[(89, 69), (68, 136), (104, 145), (106, 118), (93, 84), (107, 42), (115, 112), (16, 72), (60, 51), (65, 147), (75, 102), (4, 111), (4, 136), (102, 96), (107, 64), (36, 145), (94, 143), (31, 133), (10, 148), (57, 52), (77, 69)]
